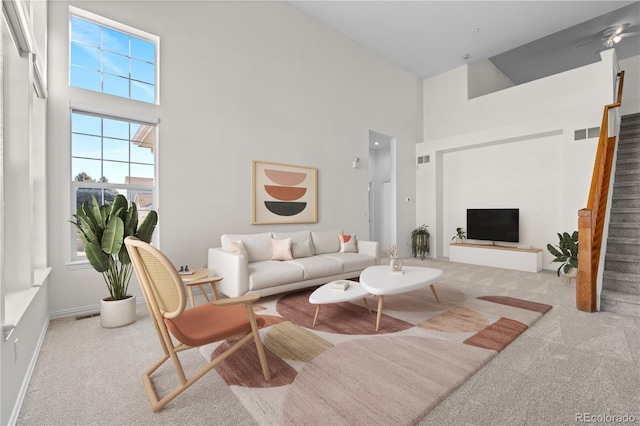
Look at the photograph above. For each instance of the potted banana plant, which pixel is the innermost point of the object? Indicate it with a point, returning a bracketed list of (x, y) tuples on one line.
[(102, 229)]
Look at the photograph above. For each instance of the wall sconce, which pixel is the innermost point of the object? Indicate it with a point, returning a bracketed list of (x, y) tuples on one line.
[(356, 163)]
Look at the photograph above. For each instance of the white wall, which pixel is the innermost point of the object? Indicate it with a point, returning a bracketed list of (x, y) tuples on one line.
[(484, 77), (513, 148), (239, 81), (631, 92)]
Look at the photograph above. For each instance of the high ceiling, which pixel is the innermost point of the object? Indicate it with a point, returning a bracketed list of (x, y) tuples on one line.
[(525, 39)]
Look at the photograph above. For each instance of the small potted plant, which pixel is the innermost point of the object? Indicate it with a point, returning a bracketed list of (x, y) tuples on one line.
[(460, 235), (103, 229), (396, 263), (566, 253), (420, 241)]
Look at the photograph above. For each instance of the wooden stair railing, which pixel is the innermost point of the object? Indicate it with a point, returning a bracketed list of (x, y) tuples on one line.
[(591, 219)]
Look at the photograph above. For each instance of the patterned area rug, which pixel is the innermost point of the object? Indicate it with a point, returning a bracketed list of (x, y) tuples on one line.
[(344, 372)]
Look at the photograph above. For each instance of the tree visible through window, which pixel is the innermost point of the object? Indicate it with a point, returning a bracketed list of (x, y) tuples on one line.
[(114, 62)]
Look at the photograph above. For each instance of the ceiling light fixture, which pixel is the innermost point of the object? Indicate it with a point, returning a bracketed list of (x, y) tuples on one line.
[(617, 39), (465, 57)]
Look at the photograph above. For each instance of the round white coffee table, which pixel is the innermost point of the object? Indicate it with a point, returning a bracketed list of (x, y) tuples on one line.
[(381, 281), (325, 294)]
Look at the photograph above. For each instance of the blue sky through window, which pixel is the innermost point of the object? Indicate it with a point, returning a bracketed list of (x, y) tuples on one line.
[(112, 62), (111, 148)]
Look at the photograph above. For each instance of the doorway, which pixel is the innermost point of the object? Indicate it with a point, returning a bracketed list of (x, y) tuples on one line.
[(382, 189)]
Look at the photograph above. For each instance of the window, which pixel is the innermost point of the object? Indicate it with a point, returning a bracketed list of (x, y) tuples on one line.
[(112, 59), (111, 156)]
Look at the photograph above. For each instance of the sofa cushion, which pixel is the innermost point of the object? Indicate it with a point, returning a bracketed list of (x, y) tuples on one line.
[(258, 245), (300, 242), (302, 249), (318, 266), (281, 249), (326, 241), (352, 261), (272, 273), (348, 243)]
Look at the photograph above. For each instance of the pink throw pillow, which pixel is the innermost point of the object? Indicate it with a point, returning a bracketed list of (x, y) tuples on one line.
[(281, 249)]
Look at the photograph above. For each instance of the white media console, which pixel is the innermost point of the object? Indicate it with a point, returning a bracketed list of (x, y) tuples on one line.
[(529, 260)]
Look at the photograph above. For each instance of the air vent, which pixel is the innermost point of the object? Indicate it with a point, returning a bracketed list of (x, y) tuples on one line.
[(81, 317), (423, 159), (580, 134), (591, 132)]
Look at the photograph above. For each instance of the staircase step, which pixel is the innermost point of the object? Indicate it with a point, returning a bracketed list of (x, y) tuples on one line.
[(625, 201), (625, 163), (625, 246), (625, 215), (627, 175), (624, 230), (620, 303), (624, 263), (618, 281)]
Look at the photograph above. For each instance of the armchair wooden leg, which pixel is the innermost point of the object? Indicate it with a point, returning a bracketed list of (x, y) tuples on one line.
[(258, 342)]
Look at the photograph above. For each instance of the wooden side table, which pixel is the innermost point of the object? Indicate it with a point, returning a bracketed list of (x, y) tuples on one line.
[(198, 278)]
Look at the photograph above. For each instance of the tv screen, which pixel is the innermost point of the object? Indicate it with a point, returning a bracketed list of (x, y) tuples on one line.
[(494, 225)]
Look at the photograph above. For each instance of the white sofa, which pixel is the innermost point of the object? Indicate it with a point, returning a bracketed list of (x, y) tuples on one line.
[(317, 259)]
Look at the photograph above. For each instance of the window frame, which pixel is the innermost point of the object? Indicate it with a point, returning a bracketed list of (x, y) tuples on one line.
[(117, 26), (75, 259)]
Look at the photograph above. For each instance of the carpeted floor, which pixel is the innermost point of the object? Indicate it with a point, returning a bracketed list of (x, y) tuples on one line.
[(567, 364)]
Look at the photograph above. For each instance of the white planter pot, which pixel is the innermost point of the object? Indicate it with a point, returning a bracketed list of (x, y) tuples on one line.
[(117, 313)]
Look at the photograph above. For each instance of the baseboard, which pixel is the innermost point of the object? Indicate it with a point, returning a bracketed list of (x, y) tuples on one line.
[(84, 311), (27, 377)]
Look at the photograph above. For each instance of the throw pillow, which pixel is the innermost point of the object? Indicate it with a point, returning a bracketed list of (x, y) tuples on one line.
[(238, 248), (302, 249), (348, 243), (281, 249)]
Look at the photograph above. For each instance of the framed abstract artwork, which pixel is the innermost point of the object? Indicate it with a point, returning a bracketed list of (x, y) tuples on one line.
[(283, 193)]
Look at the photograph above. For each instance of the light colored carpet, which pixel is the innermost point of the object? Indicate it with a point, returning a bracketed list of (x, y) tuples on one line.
[(569, 362)]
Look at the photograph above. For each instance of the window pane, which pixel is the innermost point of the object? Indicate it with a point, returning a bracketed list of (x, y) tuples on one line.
[(101, 60), (84, 170), (117, 86), (85, 31), (141, 174), (115, 41), (144, 202), (143, 92), (143, 50), (115, 64), (143, 71), (85, 79), (86, 146), (116, 149), (116, 128), (115, 172), (85, 56), (141, 154), (82, 123)]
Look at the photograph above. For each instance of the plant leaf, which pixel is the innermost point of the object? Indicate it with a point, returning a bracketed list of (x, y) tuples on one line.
[(148, 225), (113, 236), (96, 257)]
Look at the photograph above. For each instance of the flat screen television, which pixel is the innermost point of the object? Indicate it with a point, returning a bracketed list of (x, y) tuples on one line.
[(494, 225)]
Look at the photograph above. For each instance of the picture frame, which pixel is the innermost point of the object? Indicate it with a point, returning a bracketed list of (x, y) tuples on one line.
[(283, 193)]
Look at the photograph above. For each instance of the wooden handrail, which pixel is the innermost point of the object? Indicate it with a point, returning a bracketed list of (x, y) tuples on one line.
[(591, 219)]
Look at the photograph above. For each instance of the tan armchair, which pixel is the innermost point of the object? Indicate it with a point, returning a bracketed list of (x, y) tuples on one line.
[(219, 320)]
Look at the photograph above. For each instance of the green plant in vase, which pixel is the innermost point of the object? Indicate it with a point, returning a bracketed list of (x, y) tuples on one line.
[(565, 252), (420, 241), (103, 229)]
